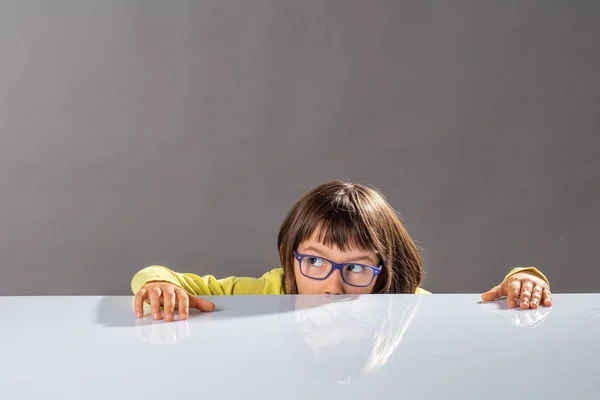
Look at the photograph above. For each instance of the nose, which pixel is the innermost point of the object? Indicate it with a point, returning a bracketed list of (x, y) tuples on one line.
[(334, 283)]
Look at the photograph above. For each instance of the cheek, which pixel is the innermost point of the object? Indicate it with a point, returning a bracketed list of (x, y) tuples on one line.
[(359, 290), (305, 285)]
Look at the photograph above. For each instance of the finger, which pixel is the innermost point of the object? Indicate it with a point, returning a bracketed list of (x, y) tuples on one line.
[(201, 304), (513, 293), (536, 296), (154, 295), (138, 303), (526, 289), (547, 297), (492, 294), (184, 303), (169, 303)]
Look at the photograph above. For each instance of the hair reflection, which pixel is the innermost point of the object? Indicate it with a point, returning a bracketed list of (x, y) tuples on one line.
[(345, 339)]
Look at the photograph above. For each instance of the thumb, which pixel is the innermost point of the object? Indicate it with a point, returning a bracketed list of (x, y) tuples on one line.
[(201, 304), (492, 294)]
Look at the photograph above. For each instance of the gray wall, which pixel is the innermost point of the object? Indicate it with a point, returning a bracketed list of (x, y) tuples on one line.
[(180, 133)]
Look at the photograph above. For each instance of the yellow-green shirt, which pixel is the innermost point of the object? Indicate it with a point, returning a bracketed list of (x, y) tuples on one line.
[(270, 283)]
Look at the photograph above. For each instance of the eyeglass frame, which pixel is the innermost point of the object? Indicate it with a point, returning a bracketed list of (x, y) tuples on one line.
[(338, 266)]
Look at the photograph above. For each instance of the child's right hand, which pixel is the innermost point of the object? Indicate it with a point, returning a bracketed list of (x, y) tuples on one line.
[(170, 296)]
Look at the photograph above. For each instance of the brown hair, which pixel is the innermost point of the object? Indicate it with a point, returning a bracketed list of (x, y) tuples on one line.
[(347, 216)]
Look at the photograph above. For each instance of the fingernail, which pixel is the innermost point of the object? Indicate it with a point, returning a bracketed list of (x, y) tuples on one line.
[(534, 301), (183, 315), (138, 314)]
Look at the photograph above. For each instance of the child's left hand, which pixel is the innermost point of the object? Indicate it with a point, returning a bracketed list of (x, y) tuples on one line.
[(529, 287)]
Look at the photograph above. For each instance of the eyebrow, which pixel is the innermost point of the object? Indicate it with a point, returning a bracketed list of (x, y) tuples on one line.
[(358, 260)]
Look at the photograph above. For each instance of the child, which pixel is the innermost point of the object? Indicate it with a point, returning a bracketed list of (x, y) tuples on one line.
[(339, 238)]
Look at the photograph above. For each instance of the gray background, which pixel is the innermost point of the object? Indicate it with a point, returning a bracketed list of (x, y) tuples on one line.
[(181, 132)]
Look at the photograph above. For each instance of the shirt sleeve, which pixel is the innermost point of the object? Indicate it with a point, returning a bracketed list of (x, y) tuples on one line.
[(532, 270), (208, 285)]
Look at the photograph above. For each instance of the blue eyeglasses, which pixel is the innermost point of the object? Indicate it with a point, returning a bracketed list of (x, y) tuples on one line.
[(319, 268)]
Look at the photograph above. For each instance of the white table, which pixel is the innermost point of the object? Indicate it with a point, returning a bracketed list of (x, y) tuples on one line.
[(302, 347)]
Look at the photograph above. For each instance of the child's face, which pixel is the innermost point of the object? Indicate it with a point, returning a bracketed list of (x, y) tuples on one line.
[(334, 283)]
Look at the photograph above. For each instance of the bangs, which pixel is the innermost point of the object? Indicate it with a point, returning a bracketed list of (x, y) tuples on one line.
[(339, 227)]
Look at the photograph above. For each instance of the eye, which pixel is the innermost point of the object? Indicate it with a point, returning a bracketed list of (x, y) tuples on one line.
[(355, 268), (316, 261)]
